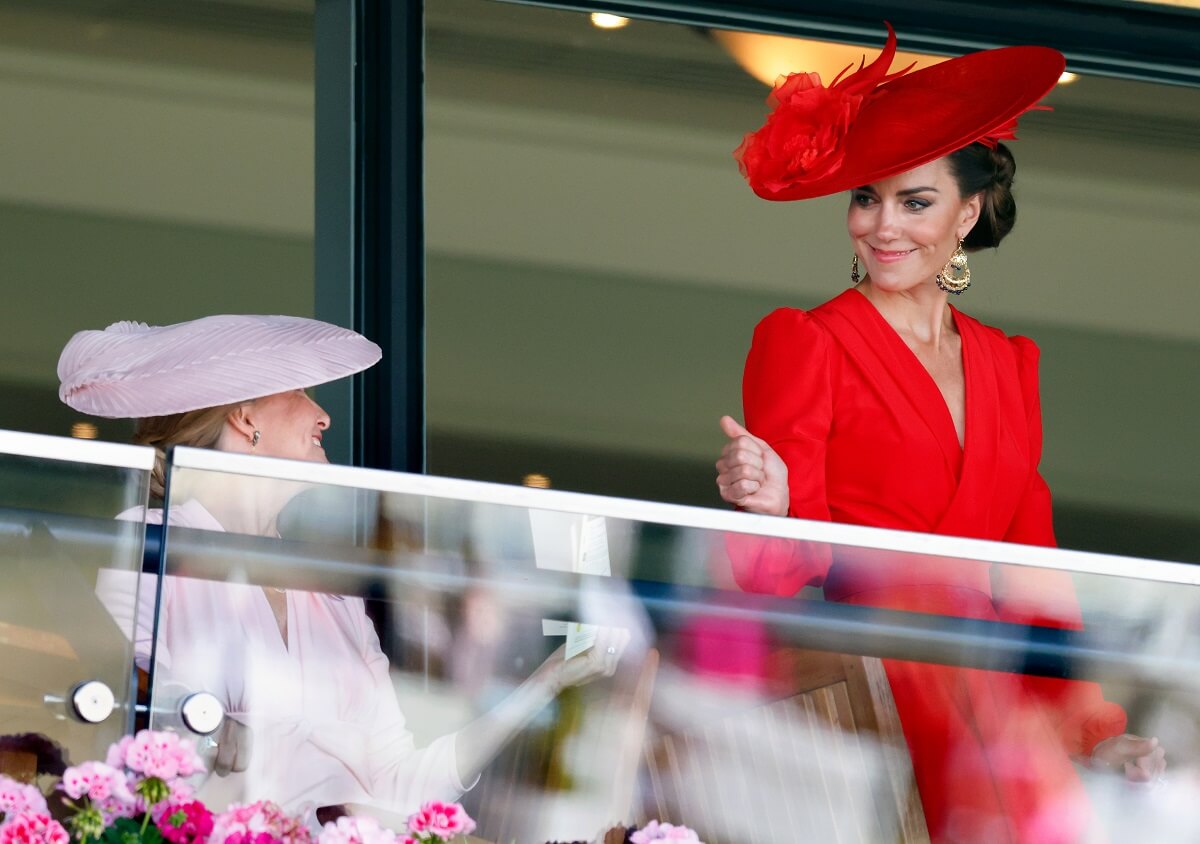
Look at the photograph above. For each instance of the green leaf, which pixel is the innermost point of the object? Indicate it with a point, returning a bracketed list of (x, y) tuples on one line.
[(129, 831)]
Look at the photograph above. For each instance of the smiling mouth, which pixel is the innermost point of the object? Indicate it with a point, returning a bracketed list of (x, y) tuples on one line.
[(317, 442), (891, 254)]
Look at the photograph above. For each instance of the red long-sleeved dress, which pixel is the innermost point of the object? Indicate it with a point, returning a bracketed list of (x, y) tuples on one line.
[(868, 440)]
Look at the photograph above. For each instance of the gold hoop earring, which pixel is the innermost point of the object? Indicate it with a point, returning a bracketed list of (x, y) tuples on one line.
[(254, 439), (855, 278), (955, 276)]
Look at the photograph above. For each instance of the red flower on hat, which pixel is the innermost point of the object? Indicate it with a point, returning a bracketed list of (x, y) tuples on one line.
[(804, 136)]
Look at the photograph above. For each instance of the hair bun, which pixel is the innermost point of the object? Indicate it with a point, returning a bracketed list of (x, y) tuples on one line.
[(1004, 167), (988, 171)]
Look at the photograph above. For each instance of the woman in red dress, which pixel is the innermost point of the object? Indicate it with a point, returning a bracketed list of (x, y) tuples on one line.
[(889, 408)]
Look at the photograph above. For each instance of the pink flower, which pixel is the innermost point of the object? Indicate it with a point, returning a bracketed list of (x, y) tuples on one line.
[(252, 838), (96, 781), (355, 830), (182, 791), (33, 828), (116, 752), (248, 823), (440, 820), (184, 823), (16, 797), (112, 808), (655, 831), (157, 754)]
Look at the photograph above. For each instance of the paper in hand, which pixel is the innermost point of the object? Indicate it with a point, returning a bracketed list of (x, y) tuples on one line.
[(570, 542), (580, 637)]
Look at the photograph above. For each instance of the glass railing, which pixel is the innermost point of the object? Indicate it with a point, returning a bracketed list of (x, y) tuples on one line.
[(564, 662), (66, 688)]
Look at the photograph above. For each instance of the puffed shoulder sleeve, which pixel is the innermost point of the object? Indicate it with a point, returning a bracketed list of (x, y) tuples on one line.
[(1032, 523), (1046, 597), (787, 400)]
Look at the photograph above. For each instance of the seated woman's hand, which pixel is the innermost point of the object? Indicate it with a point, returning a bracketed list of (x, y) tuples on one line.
[(750, 474), (234, 740), (600, 660), (1137, 758)]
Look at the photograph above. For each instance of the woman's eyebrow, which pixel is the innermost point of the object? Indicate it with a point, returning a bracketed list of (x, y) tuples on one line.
[(910, 191)]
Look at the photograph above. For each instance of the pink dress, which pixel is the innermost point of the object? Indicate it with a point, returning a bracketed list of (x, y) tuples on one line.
[(325, 723)]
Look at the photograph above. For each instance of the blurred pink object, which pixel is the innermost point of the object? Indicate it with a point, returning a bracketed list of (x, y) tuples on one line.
[(440, 821), (157, 754), (184, 823), (729, 649), (135, 370), (257, 823), (17, 797), (33, 828), (96, 781), (355, 830), (655, 831)]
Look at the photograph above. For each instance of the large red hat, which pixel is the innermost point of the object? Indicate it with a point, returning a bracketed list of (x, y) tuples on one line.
[(870, 125)]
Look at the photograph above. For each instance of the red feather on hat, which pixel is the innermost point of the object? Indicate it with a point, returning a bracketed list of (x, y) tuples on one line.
[(802, 139)]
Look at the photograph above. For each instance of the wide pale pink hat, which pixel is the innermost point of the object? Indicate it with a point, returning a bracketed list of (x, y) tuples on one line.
[(135, 370)]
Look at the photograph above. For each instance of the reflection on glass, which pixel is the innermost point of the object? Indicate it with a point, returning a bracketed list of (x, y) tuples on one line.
[(313, 718), (422, 617), (65, 663)]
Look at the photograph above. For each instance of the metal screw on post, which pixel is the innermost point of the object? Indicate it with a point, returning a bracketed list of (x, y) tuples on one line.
[(90, 702), (202, 713)]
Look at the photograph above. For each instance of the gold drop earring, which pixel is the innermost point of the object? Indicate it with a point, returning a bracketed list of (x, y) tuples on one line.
[(855, 278), (955, 276)]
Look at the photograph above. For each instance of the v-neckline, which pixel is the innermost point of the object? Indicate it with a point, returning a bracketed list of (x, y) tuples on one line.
[(284, 636), (929, 383)]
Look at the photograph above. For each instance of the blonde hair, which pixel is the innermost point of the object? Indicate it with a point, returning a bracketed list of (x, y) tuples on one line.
[(198, 428)]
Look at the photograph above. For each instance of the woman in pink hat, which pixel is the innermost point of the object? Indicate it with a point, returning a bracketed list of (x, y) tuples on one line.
[(313, 719), (888, 407)]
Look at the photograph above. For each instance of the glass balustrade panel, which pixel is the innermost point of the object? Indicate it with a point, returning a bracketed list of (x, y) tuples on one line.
[(561, 663), (66, 606)]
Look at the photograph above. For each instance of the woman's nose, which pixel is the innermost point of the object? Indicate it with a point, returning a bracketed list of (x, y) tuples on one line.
[(887, 224), (323, 420)]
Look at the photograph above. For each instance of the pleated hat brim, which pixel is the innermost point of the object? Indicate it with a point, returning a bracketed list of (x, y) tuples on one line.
[(134, 370)]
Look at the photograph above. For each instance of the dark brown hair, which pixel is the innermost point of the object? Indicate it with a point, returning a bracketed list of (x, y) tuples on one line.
[(988, 171)]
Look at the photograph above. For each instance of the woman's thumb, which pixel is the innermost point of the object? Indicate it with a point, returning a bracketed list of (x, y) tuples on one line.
[(732, 428)]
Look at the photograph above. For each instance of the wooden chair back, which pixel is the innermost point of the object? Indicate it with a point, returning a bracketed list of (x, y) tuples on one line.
[(825, 761)]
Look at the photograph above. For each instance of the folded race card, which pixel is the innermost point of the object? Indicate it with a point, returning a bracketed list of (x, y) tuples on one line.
[(570, 542), (580, 636)]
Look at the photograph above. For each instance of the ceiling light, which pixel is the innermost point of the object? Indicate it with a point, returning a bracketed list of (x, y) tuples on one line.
[(767, 57), (84, 431), (606, 21)]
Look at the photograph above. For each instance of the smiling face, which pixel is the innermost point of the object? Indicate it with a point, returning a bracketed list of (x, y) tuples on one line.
[(905, 228), (290, 425)]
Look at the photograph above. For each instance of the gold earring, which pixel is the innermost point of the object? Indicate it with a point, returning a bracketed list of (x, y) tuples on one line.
[(254, 439), (855, 278), (955, 276)]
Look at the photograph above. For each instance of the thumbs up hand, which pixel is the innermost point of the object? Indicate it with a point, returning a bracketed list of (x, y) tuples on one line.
[(750, 474)]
